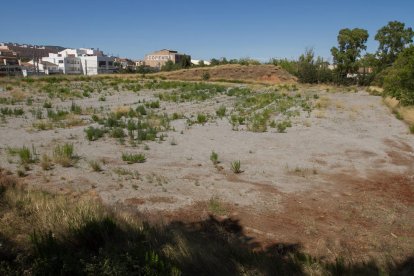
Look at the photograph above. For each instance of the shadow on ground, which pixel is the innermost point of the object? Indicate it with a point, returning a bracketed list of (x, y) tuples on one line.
[(208, 247)]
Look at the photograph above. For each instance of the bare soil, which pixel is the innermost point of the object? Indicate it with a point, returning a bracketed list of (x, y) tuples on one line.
[(234, 72)]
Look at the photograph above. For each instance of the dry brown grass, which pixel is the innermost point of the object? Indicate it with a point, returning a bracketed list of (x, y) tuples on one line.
[(323, 103), (406, 112)]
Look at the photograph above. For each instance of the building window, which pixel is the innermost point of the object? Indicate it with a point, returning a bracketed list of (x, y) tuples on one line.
[(110, 63), (102, 63), (60, 61)]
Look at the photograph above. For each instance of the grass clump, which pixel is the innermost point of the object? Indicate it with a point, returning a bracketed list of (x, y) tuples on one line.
[(412, 129), (201, 118), (64, 155), (93, 134), (95, 165), (46, 162), (236, 166), (26, 155), (221, 111), (131, 158)]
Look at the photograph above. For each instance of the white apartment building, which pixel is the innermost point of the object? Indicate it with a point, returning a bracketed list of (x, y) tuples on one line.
[(82, 61)]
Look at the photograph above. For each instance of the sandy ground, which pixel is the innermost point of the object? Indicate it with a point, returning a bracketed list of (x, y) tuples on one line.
[(347, 166)]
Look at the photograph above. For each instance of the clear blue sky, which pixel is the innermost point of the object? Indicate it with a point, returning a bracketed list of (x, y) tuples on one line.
[(205, 29)]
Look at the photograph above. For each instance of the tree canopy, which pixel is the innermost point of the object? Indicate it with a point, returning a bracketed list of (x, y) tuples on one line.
[(399, 80), (350, 45), (392, 38)]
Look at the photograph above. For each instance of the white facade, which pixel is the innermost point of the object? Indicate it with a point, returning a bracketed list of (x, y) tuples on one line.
[(82, 61)]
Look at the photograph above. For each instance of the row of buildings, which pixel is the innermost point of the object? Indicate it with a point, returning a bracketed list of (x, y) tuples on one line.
[(84, 61)]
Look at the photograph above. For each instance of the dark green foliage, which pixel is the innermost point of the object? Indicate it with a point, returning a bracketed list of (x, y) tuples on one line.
[(141, 110), (392, 38), (11, 112), (399, 78), (282, 126)]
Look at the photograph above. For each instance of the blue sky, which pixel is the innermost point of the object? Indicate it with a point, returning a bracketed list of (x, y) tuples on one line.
[(259, 29)]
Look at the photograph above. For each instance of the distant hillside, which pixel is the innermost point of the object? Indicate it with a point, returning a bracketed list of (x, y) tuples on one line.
[(234, 72), (27, 51)]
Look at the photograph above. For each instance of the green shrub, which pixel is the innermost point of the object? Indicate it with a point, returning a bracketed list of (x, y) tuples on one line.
[(412, 129), (214, 158), (131, 158), (93, 134)]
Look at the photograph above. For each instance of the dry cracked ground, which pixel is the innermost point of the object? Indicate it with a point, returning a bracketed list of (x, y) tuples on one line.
[(339, 181)]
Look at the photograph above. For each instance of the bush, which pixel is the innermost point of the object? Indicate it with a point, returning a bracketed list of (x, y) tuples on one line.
[(131, 158)]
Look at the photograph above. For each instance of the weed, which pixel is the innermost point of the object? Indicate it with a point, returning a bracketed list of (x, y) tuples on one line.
[(215, 206), (95, 165), (45, 162), (26, 156), (117, 133), (93, 133), (221, 111), (412, 129), (282, 126), (76, 109), (236, 166), (131, 158), (214, 158), (201, 118), (47, 105), (64, 155)]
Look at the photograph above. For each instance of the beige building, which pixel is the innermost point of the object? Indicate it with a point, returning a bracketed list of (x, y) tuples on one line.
[(159, 58)]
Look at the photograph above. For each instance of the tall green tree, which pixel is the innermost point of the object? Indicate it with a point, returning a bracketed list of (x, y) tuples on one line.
[(393, 39), (350, 45), (399, 78)]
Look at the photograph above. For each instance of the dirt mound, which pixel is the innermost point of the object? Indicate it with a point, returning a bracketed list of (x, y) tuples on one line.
[(235, 72)]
